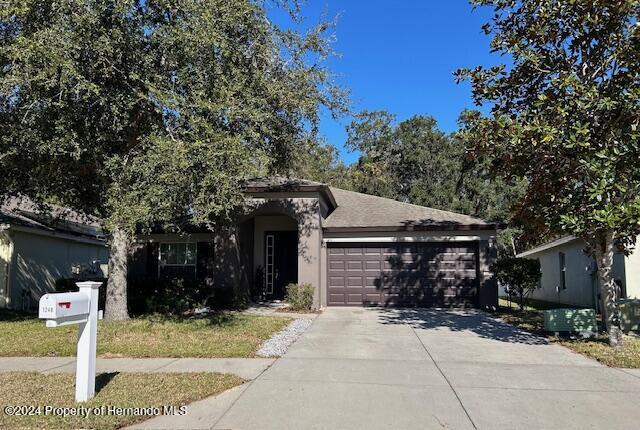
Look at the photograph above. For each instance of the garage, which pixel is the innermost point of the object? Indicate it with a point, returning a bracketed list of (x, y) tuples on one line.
[(425, 274)]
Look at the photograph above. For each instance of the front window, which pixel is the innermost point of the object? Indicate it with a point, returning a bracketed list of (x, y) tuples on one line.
[(178, 260)]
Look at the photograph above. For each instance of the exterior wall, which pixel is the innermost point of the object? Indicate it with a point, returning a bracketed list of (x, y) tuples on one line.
[(632, 273), (488, 286), (408, 236), (581, 277), (6, 250), (39, 260)]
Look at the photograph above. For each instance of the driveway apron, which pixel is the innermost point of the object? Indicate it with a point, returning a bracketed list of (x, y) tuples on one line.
[(369, 368)]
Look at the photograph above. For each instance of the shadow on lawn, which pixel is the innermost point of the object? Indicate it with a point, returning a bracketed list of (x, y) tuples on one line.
[(217, 319), (7, 315), (475, 322), (103, 379)]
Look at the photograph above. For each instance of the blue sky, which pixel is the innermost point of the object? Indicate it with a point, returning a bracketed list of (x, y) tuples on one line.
[(399, 56)]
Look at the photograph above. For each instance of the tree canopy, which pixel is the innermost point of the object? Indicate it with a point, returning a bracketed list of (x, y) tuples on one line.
[(565, 115), (414, 161), (146, 111)]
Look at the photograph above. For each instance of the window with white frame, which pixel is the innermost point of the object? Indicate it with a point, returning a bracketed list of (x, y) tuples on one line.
[(177, 260)]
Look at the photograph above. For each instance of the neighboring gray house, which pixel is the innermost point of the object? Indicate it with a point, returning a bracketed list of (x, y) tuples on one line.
[(36, 251), (569, 275), (355, 249)]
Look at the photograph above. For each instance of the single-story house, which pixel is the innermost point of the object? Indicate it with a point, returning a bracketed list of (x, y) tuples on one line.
[(36, 251), (353, 248), (569, 274)]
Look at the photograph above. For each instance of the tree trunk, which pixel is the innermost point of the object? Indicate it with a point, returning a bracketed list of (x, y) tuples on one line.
[(521, 293), (604, 250), (116, 305)]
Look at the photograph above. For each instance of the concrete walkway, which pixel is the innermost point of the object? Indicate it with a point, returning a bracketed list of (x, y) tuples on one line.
[(247, 368), (420, 369)]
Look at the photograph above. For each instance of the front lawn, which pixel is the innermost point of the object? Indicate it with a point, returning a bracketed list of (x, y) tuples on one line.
[(531, 319), (121, 390), (218, 335)]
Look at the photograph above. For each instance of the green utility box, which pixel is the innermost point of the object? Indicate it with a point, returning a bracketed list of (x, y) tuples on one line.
[(571, 320), (630, 314)]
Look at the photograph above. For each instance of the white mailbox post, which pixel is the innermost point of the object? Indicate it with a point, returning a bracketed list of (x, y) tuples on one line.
[(77, 308)]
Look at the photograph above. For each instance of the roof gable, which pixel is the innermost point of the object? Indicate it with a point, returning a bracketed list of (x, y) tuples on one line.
[(283, 184)]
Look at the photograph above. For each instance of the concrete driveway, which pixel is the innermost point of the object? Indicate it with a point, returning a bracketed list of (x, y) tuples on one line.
[(404, 369)]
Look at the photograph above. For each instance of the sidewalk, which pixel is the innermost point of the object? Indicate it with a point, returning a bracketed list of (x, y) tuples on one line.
[(246, 368)]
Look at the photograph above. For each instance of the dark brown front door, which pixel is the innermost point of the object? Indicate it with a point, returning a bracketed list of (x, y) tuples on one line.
[(408, 274), (281, 262)]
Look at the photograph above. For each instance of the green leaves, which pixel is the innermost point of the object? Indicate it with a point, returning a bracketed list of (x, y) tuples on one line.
[(151, 112), (413, 161), (563, 116)]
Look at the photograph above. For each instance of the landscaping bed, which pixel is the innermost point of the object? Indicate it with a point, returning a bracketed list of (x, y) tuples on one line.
[(120, 390), (220, 335), (532, 320)]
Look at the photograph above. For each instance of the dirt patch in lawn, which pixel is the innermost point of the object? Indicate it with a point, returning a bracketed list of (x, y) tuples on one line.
[(137, 394)]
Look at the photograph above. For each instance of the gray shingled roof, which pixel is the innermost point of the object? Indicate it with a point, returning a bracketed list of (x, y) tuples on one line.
[(363, 210), (24, 212)]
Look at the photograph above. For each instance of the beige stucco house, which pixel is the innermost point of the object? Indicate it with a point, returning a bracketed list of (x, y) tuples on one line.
[(353, 248), (38, 250), (569, 274)]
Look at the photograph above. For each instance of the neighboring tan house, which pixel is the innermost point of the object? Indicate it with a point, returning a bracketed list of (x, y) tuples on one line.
[(38, 250), (355, 249), (569, 275)]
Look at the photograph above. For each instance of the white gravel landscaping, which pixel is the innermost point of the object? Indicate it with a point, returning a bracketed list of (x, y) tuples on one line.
[(280, 342)]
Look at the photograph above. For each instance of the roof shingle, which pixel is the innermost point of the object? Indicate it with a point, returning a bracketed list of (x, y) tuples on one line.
[(25, 212), (357, 210)]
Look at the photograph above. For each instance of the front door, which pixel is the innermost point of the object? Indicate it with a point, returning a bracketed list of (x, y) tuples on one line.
[(281, 262)]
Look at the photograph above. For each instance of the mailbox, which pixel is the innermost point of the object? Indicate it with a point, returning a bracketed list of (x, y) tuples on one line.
[(64, 308), (77, 308)]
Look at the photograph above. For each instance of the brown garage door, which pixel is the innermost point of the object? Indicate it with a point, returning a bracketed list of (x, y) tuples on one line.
[(410, 274)]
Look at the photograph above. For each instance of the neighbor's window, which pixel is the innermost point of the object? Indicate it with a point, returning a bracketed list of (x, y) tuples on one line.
[(563, 271), (539, 286), (178, 260)]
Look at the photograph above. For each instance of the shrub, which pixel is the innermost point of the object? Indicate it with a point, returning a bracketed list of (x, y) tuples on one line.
[(519, 275), (176, 295), (299, 296)]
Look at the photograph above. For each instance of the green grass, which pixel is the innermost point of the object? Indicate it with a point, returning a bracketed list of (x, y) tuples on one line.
[(125, 390), (218, 335), (627, 356), (532, 320)]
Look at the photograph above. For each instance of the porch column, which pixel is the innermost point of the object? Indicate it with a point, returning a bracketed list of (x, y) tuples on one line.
[(309, 246)]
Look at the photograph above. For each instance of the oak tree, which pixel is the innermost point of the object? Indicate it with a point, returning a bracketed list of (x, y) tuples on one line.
[(147, 112)]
